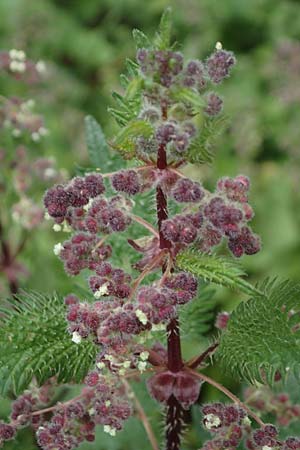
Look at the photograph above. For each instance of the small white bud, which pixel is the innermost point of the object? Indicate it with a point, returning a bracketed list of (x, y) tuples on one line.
[(58, 248), (122, 372), (141, 316), (56, 227), (103, 290), (20, 55), (126, 364), (41, 66), (76, 337), (219, 46), (266, 447), (47, 216), (100, 365), (212, 421), (107, 403), (144, 356), (43, 131), (110, 430), (142, 366), (13, 53), (35, 137), (16, 132)]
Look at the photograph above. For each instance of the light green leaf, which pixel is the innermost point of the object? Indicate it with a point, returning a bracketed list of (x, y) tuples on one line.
[(98, 149), (215, 270), (163, 37), (34, 342), (140, 39), (262, 335)]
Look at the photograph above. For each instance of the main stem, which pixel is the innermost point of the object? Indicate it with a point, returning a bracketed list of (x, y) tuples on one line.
[(174, 416)]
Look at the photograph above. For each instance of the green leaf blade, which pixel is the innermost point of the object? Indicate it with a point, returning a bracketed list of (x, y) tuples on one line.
[(34, 342)]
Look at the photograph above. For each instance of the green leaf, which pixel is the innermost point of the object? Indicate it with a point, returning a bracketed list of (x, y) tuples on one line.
[(215, 270), (189, 96), (140, 39), (98, 149), (125, 140), (197, 317), (34, 342), (163, 37), (260, 338), (202, 147)]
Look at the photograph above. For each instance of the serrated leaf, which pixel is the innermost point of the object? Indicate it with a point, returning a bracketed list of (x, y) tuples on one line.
[(215, 270), (190, 97), (34, 342), (98, 149), (201, 149), (261, 337), (140, 39), (125, 140), (163, 37)]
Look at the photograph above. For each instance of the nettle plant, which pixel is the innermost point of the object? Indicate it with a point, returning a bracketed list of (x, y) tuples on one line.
[(128, 326), (24, 173)]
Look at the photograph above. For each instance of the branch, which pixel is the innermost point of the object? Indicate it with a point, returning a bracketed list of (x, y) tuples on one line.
[(143, 417), (197, 360), (228, 393), (145, 224)]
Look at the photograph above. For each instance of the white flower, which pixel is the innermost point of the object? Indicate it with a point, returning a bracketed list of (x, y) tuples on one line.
[(110, 430), (103, 290), (16, 132), (41, 66), (43, 131), (142, 366), (212, 421), (144, 356), (56, 227), (100, 365), (219, 46), (35, 136), (126, 364), (76, 337), (58, 248), (107, 403), (141, 316), (266, 447)]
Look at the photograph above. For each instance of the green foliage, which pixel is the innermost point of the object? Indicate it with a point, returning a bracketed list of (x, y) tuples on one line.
[(197, 317), (202, 147), (34, 342), (98, 149), (140, 39), (260, 338), (190, 97), (215, 269), (163, 37), (125, 140)]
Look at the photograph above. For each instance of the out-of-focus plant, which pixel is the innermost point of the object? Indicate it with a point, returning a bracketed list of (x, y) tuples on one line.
[(169, 115), (23, 174)]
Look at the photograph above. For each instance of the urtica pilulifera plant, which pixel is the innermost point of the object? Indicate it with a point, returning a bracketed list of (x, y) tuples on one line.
[(169, 116)]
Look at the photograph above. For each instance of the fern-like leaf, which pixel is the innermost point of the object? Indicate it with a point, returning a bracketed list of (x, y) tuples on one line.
[(215, 270), (98, 149), (263, 334), (201, 150), (162, 39), (34, 342)]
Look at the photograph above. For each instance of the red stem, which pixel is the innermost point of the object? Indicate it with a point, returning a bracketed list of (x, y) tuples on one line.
[(174, 418)]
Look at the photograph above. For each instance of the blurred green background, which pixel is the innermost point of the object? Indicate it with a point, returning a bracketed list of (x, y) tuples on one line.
[(84, 45)]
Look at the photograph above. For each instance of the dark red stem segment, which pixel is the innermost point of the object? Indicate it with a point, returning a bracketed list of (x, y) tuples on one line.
[(174, 422), (174, 417), (6, 259)]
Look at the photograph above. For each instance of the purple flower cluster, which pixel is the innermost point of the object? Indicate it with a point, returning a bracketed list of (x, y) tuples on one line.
[(75, 421), (162, 65), (226, 422), (219, 65), (83, 252), (126, 181), (113, 282), (75, 194), (222, 214)]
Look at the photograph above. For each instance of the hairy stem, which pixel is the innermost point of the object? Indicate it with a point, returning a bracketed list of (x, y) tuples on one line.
[(197, 360), (174, 409), (229, 394)]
